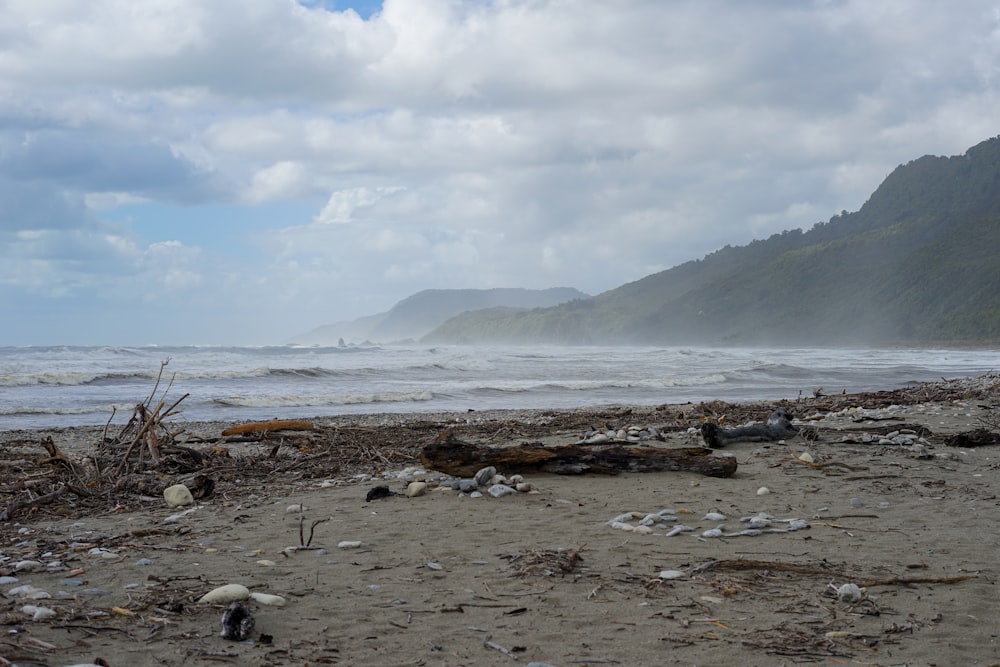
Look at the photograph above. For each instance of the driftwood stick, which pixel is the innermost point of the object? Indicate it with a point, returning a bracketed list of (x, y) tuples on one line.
[(273, 425), (905, 581), (40, 500), (458, 458)]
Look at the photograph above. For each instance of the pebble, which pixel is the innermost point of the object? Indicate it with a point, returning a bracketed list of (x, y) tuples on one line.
[(466, 485), (268, 599), (177, 495), (501, 490), (37, 613), (484, 476), (27, 566), (28, 591), (670, 574), (295, 509), (807, 457), (415, 489), (714, 516), (763, 491), (349, 544)]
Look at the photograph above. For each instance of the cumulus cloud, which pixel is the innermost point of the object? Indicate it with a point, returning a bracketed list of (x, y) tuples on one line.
[(446, 143)]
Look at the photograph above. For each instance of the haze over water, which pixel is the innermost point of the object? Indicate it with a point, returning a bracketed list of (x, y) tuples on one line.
[(42, 387)]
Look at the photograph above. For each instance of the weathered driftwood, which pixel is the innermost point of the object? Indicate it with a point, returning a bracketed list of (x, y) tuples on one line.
[(273, 425), (778, 427), (462, 459)]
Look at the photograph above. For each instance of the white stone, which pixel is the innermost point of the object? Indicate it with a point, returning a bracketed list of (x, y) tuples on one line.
[(27, 566), (763, 491), (501, 490), (268, 599), (806, 457), (671, 574), (227, 593), (349, 544), (415, 489), (177, 495)]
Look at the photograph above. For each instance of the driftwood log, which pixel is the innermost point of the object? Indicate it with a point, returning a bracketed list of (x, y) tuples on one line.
[(463, 459)]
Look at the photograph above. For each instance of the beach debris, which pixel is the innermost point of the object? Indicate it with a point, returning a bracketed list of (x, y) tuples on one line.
[(237, 622), (227, 593), (778, 427), (378, 492), (546, 563), (851, 593), (454, 457), (177, 495), (979, 437), (757, 524)]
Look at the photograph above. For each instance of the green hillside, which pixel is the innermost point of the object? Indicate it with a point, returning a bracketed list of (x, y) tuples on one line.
[(918, 263)]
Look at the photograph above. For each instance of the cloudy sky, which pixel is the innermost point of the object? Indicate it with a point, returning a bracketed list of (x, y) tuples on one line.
[(241, 171)]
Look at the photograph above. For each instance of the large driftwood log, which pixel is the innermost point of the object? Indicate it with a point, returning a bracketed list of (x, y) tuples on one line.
[(463, 459)]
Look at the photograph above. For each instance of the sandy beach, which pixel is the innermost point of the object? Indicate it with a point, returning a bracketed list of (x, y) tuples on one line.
[(892, 562)]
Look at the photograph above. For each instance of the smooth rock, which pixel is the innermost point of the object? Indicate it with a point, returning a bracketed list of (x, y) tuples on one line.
[(268, 599), (177, 495), (524, 487), (227, 593), (27, 566), (466, 485), (37, 613), (806, 457), (484, 476), (295, 509), (28, 591), (763, 491), (415, 489), (349, 544), (500, 490)]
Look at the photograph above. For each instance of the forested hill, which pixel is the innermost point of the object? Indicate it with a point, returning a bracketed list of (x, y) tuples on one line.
[(918, 263)]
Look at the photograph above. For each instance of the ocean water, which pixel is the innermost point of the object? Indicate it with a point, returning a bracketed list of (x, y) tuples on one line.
[(43, 387)]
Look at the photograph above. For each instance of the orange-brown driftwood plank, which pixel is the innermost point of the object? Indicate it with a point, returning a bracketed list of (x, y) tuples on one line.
[(273, 425)]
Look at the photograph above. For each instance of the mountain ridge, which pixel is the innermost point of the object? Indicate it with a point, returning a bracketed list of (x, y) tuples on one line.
[(915, 263)]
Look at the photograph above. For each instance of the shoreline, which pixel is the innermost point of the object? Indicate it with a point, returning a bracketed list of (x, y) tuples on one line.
[(445, 578)]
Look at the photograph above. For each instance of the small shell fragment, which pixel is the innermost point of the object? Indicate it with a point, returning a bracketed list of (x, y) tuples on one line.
[(670, 574)]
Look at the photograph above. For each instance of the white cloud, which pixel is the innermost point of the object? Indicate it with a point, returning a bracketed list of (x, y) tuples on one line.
[(445, 143)]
